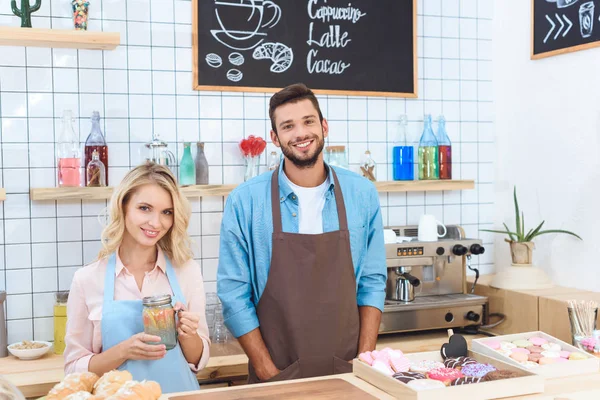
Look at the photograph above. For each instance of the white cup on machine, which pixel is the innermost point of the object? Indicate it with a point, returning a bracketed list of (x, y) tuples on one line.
[(428, 229)]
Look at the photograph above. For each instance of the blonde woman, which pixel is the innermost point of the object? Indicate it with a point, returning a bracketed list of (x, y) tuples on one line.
[(145, 252)]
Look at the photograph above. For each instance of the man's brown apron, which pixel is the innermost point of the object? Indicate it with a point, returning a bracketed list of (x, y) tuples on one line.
[(308, 313)]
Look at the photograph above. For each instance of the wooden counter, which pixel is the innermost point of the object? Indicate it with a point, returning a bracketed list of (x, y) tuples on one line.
[(227, 362)]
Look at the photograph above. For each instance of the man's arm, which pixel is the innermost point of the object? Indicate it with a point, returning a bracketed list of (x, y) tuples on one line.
[(258, 354), (371, 283)]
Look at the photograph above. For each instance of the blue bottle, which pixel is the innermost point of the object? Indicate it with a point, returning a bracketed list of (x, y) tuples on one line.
[(403, 155)]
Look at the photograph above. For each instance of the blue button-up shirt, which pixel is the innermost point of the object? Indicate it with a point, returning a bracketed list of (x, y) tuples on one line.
[(246, 242)]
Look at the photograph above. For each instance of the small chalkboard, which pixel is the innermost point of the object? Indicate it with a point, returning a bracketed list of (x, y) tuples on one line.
[(357, 47), (564, 26)]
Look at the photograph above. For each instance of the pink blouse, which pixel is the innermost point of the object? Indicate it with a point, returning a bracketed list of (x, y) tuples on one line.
[(84, 308)]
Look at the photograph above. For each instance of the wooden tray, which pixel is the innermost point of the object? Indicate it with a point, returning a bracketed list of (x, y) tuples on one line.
[(526, 383), (326, 389), (579, 367)]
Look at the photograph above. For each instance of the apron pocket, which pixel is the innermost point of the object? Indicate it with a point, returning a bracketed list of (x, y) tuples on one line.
[(341, 366), (291, 372)]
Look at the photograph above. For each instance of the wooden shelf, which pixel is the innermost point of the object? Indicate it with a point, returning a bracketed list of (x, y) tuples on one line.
[(95, 193), (63, 38), (2, 194)]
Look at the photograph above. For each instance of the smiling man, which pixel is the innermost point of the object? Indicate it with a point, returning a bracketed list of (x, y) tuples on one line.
[(302, 260)]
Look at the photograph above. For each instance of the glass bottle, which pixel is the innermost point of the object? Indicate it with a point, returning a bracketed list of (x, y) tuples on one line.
[(368, 167), (428, 152), (444, 149), (337, 156), (159, 319), (95, 172), (68, 153), (274, 160), (187, 169), (60, 321), (96, 142), (201, 165), (403, 155)]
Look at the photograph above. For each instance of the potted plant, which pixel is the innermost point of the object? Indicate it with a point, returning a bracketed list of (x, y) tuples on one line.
[(521, 242)]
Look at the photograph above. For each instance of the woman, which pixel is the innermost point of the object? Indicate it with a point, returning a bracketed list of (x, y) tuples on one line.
[(146, 252)]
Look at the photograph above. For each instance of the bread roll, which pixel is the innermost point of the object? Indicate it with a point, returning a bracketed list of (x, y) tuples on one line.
[(110, 383), (73, 383), (133, 390)]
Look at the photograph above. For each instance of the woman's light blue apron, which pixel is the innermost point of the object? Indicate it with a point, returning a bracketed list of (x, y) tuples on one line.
[(123, 319)]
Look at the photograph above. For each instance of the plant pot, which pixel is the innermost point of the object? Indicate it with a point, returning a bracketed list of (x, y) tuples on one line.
[(521, 252)]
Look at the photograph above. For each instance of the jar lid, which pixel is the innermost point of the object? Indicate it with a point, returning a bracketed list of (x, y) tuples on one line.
[(336, 148), (159, 300), (62, 297)]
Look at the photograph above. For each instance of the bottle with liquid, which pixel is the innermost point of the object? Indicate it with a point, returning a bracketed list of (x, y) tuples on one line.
[(95, 172), (96, 142), (444, 150), (201, 165), (68, 153), (187, 169), (274, 160), (428, 152), (368, 167), (403, 155), (60, 321)]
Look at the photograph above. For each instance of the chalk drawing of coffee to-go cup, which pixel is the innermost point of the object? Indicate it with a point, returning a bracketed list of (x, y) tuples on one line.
[(244, 23), (586, 19)]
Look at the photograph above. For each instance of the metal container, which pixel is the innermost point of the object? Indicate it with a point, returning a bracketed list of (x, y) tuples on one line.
[(3, 333)]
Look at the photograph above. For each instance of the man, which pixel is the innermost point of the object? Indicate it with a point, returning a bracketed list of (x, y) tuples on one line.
[(302, 260)]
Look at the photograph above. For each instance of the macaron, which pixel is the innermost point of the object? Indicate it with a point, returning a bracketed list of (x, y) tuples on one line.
[(551, 354), (551, 347), (565, 354), (520, 357), (535, 357), (561, 360), (578, 356), (530, 364), (521, 350), (522, 343), (535, 349), (492, 344), (507, 345), (537, 341), (547, 360)]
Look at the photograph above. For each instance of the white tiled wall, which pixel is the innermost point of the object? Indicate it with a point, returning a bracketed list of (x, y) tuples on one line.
[(144, 86)]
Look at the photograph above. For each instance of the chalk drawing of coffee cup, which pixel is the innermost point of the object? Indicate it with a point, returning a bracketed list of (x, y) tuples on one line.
[(244, 23), (586, 19)]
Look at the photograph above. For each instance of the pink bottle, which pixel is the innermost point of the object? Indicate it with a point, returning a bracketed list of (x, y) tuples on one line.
[(68, 153)]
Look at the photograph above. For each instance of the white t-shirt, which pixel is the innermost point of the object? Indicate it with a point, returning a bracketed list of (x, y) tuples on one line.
[(311, 201)]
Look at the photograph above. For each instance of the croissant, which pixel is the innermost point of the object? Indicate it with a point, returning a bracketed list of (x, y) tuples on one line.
[(133, 390), (110, 383), (73, 383), (81, 396)]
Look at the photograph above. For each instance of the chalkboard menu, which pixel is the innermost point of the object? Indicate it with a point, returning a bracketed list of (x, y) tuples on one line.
[(353, 47), (563, 26)]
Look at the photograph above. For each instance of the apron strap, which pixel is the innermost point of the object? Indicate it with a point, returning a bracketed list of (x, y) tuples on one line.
[(109, 281), (177, 292), (276, 206)]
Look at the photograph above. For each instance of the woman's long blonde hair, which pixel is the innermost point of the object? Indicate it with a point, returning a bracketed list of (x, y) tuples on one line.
[(176, 243)]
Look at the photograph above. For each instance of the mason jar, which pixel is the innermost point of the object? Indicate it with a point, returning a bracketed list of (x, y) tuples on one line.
[(337, 156), (159, 319)]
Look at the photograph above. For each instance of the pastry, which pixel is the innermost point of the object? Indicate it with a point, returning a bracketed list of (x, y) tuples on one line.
[(459, 362), (520, 357), (132, 390), (73, 383), (445, 375), (382, 367), (551, 347), (548, 360), (81, 396), (551, 354), (565, 354), (406, 377), (399, 363), (477, 370), (465, 380), (520, 350), (366, 357), (507, 345), (522, 343), (578, 356), (456, 347), (499, 374), (537, 341), (493, 344), (425, 366), (111, 382), (425, 384), (535, 349), (535, 357), (530, 364)]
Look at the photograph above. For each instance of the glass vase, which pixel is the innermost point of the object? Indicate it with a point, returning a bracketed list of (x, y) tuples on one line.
[(251, 163)]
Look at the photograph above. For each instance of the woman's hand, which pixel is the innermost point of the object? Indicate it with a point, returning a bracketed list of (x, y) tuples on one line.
[(187, 325), (137, 348)]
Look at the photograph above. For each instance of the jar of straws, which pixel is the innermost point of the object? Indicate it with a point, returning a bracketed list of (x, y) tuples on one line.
[(583, 316)]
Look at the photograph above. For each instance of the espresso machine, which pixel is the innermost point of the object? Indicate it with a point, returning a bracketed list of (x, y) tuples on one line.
[(426, 282)]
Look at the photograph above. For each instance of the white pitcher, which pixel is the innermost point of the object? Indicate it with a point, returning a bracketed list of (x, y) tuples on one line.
[(428, 229)]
